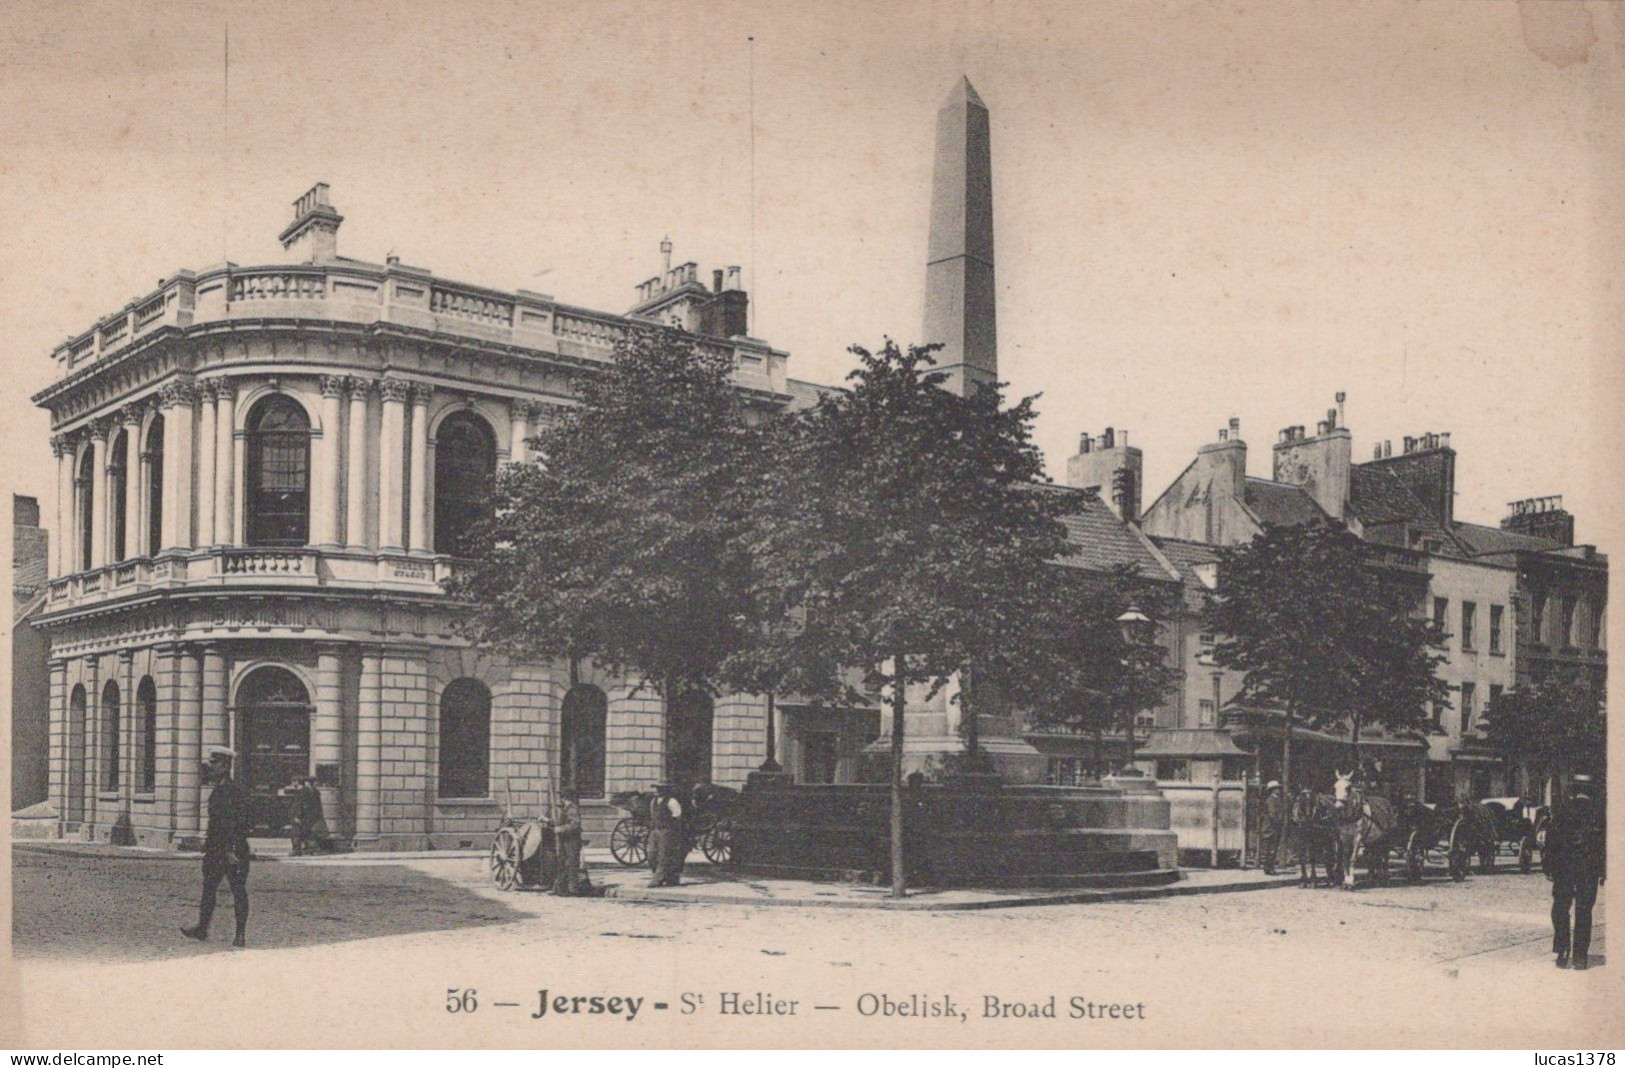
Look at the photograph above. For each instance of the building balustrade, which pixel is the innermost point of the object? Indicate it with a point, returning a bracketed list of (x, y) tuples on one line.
[(267, 562)]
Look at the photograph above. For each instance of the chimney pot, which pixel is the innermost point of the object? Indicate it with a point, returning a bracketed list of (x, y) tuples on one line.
[(716, 281), (1108, 439)]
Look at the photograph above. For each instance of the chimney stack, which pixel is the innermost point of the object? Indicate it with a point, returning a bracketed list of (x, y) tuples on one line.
[(313, 236), (1541, 517), (1110, 467), (1323, 464)]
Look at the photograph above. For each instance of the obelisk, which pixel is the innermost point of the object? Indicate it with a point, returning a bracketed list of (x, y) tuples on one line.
[(959, 295)]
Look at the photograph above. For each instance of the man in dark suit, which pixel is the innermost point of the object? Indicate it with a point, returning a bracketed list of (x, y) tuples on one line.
[(1270, 824), (1576, 862), (225, 846)]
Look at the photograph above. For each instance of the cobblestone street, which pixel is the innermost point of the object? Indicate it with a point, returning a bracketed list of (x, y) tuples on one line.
[(1405, 962)]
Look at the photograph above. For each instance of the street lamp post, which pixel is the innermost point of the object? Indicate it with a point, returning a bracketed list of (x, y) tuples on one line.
[(1136, 628)]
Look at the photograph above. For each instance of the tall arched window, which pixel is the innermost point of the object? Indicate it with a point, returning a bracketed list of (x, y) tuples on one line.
[(465, 459), (581, 741), (85, 492), (688, 737), (465, 739), (110, 736), (278, 501), (146, 725), (118, 470), (153, 458), (77, 725)]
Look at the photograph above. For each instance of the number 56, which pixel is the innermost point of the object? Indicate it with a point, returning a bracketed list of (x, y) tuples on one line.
[(458, 1000)]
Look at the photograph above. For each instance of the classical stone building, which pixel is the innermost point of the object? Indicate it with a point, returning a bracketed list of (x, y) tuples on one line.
[(264, 475)]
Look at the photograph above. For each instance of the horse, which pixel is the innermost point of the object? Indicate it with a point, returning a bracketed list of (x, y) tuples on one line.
[(1309, 822), (1363, 823)]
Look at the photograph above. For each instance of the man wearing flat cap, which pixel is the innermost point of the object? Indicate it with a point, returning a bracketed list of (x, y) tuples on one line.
[(668, 837), (225, 846), (1575, 861)]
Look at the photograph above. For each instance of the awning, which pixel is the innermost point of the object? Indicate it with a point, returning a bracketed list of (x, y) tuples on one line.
[(1274, 726), (1192, 743)]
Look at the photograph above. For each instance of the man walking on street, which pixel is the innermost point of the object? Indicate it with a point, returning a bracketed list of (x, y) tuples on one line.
[(567, 835), (1270, 822), (1575, 861), (225, 846)]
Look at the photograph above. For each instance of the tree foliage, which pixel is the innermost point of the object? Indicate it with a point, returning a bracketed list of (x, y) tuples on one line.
[(1319, 631), (622, 541), (1557, 727)]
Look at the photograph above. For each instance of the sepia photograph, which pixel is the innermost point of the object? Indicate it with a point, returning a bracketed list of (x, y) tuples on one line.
[(543, 524)]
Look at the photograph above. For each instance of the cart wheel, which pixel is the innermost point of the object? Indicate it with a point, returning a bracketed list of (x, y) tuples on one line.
[(1415, 858), (1526, 854), (505, 859), (718, 843), (1460, 855), (629, 843)]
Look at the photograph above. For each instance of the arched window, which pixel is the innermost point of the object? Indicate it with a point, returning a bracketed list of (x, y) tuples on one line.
[(118, 471), (146, 725), (154, 462), (688, 737), (110, 736), (581, 741), (465, 459), (278, 501), (465, 739), (85, 491), (76, 727)]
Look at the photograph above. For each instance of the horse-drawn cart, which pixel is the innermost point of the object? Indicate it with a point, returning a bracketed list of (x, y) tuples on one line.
[(1520, 830), (710, 824), (1452, 835), (524, 854)]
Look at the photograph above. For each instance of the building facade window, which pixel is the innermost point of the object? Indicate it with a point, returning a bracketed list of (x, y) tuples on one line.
[(1566, 636), (278, 473), (110, 736), (146, 725), (1441, 607), (1496, 690), (118, 472), (153, 463), (1469, 620), (465, 739), (85, 494), (581, 740), (1497, 612), (1469, 695), (1204, 713), (688, 737), (465, 460), (1537, 618)]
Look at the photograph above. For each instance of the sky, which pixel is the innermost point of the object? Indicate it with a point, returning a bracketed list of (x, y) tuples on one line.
[(1202, 210)]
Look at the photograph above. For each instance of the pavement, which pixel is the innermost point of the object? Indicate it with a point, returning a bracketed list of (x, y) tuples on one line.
[(710, 884)]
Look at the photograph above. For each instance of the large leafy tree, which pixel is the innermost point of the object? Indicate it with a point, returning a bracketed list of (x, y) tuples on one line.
[(1082, 670), (1320, 632), (1556, 727), (622, 541), (903, 523)]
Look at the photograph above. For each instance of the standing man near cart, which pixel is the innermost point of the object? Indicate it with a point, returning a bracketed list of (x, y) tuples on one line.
[(668, 837), (225, 846), (1576, 862)]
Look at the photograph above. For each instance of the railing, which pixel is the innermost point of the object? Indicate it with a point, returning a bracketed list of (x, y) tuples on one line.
[(152, 309), (267, 562), (465, 305), (126, 574), (278, 286), (61, 589), (112, 332), (587, 331)]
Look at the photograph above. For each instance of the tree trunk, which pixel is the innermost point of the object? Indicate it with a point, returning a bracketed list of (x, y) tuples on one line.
[(1097, 754), (973, 733), (899, 880), (1286, 755), (1354, 743)]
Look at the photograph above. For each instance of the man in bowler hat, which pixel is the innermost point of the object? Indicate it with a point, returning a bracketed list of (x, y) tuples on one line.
[(225, 846)]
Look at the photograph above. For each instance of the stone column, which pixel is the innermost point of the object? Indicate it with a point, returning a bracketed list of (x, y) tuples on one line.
[(391, 449), (61, 760), (519, 413), (324, 512), (188, 739), (418, 527), (225, 461), (207, 451), (368, 748), (327, 740), (177, 398), (216, 716), (132, 481), (62, 535), (355, 492), (93, 736), (98, 495)]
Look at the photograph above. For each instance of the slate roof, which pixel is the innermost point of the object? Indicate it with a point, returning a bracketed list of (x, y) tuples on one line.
[(1186, 556), (1480, 540), (1379, 498), (1281, 504), (1102, 542), (29, 550)]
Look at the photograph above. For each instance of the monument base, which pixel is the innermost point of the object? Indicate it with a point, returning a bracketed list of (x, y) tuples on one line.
[(970, 831)]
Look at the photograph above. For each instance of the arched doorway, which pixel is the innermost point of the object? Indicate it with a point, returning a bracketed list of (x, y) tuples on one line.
[(273, 742), (581, 741), (688, 738), (78, 710)]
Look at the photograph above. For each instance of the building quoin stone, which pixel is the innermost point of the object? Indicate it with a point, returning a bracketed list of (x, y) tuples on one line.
[(264, 476)]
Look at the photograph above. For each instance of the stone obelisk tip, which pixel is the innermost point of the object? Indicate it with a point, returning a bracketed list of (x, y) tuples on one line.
[(959, 294)]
